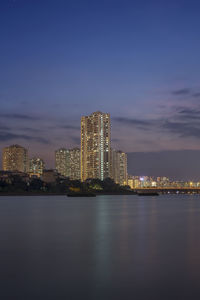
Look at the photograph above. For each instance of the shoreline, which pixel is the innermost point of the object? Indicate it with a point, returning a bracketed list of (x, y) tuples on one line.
[(61, 194)]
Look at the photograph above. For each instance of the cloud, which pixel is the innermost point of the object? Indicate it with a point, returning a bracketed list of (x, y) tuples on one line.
[(196, 95), (7, 136), (19, 117), (183, 129), (183, 122), (142, 123), (188, 113), (3, 127), (182, 92), (29, 129), (65, 126), (75, 139), (70, 127)]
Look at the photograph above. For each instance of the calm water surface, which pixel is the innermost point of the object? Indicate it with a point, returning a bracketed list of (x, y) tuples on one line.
[(108, 248)]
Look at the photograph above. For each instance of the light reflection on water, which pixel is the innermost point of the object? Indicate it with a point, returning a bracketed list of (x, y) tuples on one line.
[(110, 247)]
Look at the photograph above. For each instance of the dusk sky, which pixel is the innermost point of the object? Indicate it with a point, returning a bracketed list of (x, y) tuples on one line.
[(137, 60)]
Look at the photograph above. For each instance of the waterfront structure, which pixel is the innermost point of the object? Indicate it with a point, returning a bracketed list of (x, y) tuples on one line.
[(62, 158), (119, 167), (74, 164), (136, 182), (162, 181), (36, 167), (15, 158), (95, 146)]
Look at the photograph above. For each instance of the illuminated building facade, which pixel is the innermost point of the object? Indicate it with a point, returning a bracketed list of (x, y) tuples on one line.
[(62, 158), (130, 182), (74, 164), (68, 162), (162, 181), (15, 158), (119, 167), (95, 146), (36, 167)]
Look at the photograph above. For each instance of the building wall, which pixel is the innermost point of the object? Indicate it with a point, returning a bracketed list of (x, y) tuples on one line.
[(119, 167), (62, 159), (74, 164), (15, 158), (68, 162)]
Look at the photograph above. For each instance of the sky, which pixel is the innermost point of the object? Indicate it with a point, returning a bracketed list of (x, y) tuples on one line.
[(137, 60)]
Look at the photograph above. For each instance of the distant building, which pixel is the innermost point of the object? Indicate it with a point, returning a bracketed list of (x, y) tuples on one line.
[(62, 158), (95, 146), (131, 182), (68, 162), (162, 181), (50, 176), (136, 182), (119, 167), (15, 158), (36, 167), (74, 164)]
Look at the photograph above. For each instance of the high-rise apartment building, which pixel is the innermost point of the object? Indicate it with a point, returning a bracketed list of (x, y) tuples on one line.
[(119, 167), (95, 146), (74, 164), (15, 158), (68, 162), (36, 167), (62, 159)]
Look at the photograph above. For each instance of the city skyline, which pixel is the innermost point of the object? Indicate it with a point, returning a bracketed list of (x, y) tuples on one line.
[(61, 60), (144, 163), (68, 166), (100, 149), (95, 159)]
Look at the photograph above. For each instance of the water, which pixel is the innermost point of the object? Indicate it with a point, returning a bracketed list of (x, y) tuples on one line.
[(108, 248)]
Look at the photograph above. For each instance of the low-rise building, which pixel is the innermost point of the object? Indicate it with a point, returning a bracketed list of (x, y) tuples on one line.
[(36, 167)]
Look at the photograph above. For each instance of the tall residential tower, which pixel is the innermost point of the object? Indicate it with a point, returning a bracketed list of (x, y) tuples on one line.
[(68, 162), (119, 167), (95, 146), (15, 158), (62, 161), (74, 155)]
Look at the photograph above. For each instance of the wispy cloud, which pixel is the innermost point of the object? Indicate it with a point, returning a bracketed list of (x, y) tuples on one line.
[(132, 121), (3, 127), (188, 113), (192, 92), (75, 139), (19, 116), (69, 127), (8, 136), (182, 92), (183, 129), (196, 95), (30, 129), (183, 122)]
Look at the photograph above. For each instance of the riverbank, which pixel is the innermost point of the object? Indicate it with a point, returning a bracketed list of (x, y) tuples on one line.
[(62, 194)]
